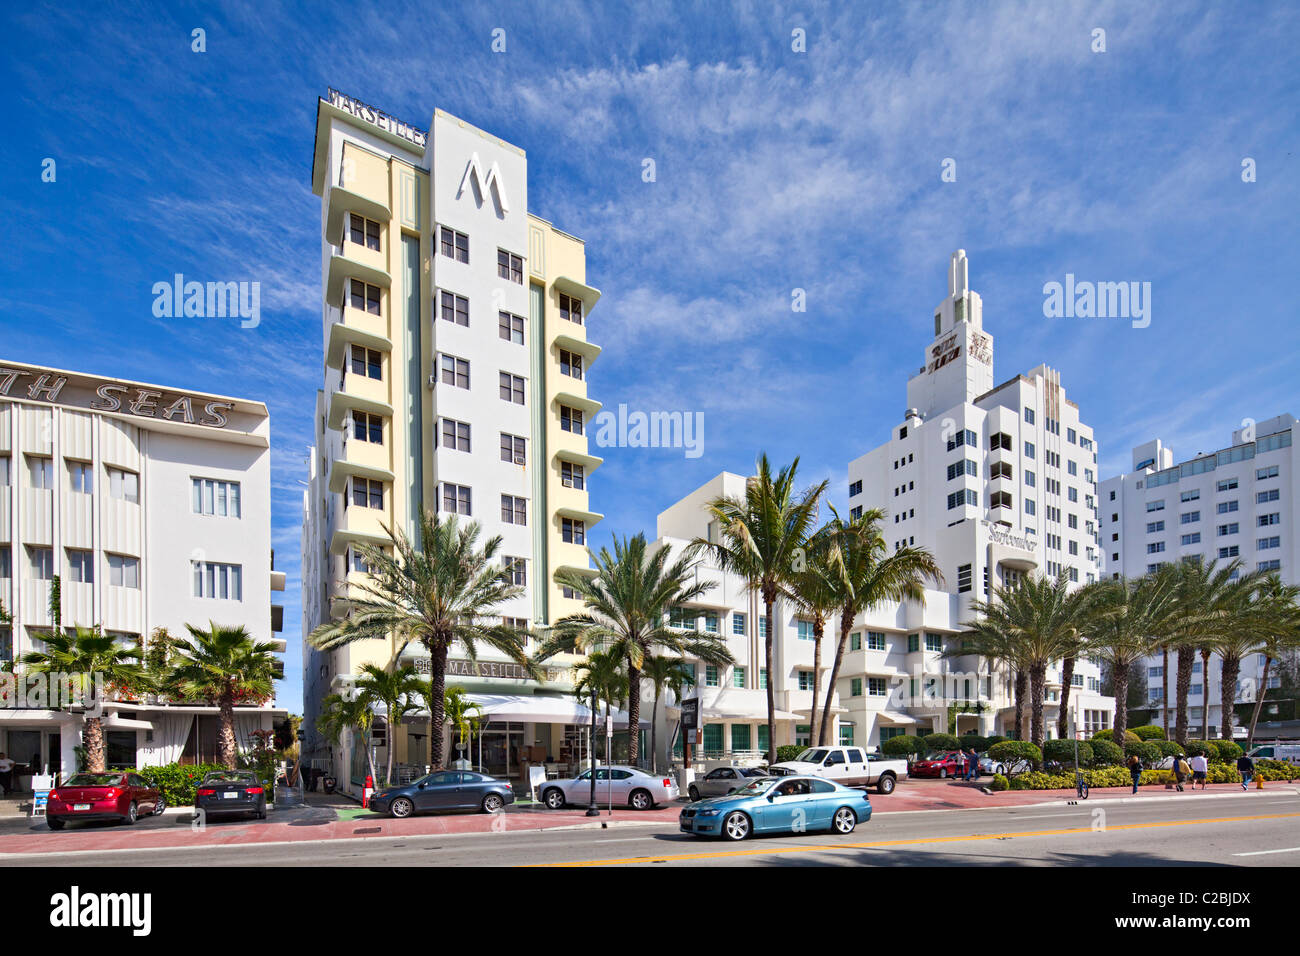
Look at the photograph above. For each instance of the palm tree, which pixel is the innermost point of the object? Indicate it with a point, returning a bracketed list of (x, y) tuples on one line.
[(628, 603), (1041, 619), (1073, 647), (86, 651), (664, 673), (817, 594), (601, 677), (867, 576), (761, 538), (340, 713), (227, 666), (992, 640), (462, 713), (393, 691), (1282, 636), (445, 591)]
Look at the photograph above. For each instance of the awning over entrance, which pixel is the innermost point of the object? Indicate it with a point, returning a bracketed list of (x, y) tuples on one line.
[(539, 709), (895, 717)]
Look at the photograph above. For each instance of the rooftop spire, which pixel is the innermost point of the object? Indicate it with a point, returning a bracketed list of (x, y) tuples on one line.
[(957, 274)]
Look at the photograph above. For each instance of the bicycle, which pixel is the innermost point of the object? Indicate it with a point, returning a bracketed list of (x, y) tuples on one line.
[(1080, 785)]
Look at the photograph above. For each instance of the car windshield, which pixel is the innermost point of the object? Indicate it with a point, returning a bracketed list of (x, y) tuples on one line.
[(218, 776), (812, 755), (94, 780), (755, 787), (754, 772)]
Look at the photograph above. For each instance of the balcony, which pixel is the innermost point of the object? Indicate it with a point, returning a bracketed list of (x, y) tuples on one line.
[(572, 287), (343, 469), (586, 349), (356, 327), (344, 201), (589, 462), (354, 262), (343, 404)]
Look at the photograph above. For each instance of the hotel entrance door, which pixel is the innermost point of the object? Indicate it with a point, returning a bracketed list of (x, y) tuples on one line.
[(501, 743)]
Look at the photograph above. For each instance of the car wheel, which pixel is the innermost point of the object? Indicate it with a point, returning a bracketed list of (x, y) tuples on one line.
[(553, 798), (886, 784), (261, 812), (641, 800), (736, 826), (1000, 769), (159, 807), (54, 823), (132, 814), (845, 820), (401, 808), (942, 773), (694, 791), (493, 803)]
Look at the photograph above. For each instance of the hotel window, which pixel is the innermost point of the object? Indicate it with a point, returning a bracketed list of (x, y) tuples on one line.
[(1264, 497), (363, 231), (367, 493), (1000, 499), (82, 476), (455, 245), (963, 578), (455, 308), (455, 435), (514, 510), (1001, 469), (1269, 472), (4, 471), (855, 488), (1156, 505), (570, 364), (366, 362), (738, 624), (570, 420), (1228, 528), (1264, 544), (1264, 521), (1072, 468), (1265, 566), (959, 498), (81, 566), (363, 296), (571, 308), (573, 476), (510, 327), (1029, 450), (1189, 517), (738, 676), (805, 630), (1030, 479), (711, 622), (1072, 521), (220, 581), (855, 641), (1029, 416), (219, 498), (41, 471), (934, 642), (1227, 484), (124, 571), (1193, 538), (1155, 547), (568, 592), (6, 562), (1192, 495), (1071, 436), (913, 643), (875, 640), (855, 687), (573, 531), (1225, 507), (1000, 440), (964, 437), (805, 680), (710, 676), (457, 499), (368, 428), (356, 561), (455, 371), (1030, 507), (514, 449), (1154, 526), (682, 617), (1231, 551), (876, 687), (963, 467), (517, 569), (856, 512), (762, 685), (511, 388), (510, 266)]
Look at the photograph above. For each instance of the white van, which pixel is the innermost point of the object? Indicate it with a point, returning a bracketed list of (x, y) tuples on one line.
[(1288, 752)]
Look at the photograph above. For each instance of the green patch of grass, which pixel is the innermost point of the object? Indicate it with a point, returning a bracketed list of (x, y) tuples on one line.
[(353, 813)]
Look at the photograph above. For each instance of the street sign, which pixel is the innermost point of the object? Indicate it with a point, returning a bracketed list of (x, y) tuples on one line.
[(690, 714), (609, 725)]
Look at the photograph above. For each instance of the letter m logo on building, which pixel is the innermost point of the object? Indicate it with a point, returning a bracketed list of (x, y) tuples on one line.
[(482, 182)]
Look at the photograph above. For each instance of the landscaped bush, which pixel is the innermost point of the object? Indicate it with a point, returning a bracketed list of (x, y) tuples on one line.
[(178, 782), (980, 744), (1169, 748), (1062, 751), (1276, 770), (1227, 750), (904, 745), (1149, 732), (1106, 753), (1148, 753), (1011, 752), (999, 782), (1200, 748), (1110, 735), (942, 742), (995, 739), (788, 752)]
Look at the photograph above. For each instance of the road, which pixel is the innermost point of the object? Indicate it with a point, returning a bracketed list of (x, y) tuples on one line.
[(1252, 830)]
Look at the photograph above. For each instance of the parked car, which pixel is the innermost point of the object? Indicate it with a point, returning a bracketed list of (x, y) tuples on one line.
[(223, 792), (1287, 752), (946, 763), (722, 780), (989, 765), (115, 795), (851, 766), (795, 804), (444, 790), (623, 786)]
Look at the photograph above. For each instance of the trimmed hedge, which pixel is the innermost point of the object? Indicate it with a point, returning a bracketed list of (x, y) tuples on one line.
[(942, 742), (1062, 751), (1110, 735), (1146, 752), (1169, 748), (980, 744), (1226, 749), (999, 782), (178, 782), (1011, 752), (1106, 753), (995, 739), (1149, 732), (904, 745), (1200, 748), (788, 752), (1270, 770)]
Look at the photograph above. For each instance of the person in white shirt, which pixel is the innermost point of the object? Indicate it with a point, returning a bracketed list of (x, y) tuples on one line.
[(1199, 767), (6, 773)]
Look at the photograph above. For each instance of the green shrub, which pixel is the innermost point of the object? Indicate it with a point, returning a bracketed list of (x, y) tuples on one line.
[(1011, 752), (995, 739), (980, 744), (1106, 753), (1200, 748), (1110, 735), (904, 745), (942, 742), (788, 752), (1062, 750), (1227, 750), (999, 783), (178, 782), (1169, 748), (1147, 752), (1149, 732)]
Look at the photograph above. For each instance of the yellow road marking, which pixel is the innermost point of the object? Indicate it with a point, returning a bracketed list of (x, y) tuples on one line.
[(766, 851)]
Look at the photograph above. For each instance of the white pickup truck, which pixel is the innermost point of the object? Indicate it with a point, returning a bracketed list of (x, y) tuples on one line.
[(850, 766)]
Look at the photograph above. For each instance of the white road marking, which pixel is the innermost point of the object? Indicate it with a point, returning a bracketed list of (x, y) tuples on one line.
[(1291, 849)]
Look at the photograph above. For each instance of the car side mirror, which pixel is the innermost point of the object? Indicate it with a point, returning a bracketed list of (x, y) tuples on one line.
[(421, 785), (771, 797)]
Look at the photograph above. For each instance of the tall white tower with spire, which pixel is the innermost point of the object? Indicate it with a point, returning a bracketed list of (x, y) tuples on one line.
[(958, 364)]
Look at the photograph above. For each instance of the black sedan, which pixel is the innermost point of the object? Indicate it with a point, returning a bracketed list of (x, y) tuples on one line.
[(231, 791), (444, 790)]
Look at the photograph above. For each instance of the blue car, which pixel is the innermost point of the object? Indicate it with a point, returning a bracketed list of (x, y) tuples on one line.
[(779, 805)]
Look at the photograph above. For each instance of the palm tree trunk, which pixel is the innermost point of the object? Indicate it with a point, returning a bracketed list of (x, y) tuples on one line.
[(1164, 689), (819, 631), (438, 678), (768, 598), (1205, 693), (633, 713), (846, 624), (1121, 703), (1259, 703), (226, 748), (388, 739), (94, 740), (654, 733), (1063, 713), (1022, 681), (1183, 686), (1037, 680), (1228, 693)]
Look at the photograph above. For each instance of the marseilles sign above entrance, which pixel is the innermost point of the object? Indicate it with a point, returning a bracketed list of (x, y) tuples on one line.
[(109, 395), (378, 118), (502, 670)]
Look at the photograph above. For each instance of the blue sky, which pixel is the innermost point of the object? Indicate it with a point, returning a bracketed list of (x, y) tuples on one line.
[(775, 170)]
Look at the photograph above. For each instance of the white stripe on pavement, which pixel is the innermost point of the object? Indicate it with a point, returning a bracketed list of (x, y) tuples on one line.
[(1292, 849)]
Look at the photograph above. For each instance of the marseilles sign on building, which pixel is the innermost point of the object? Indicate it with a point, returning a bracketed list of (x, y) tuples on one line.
[(378, 118), (107, 395), (506, 670)]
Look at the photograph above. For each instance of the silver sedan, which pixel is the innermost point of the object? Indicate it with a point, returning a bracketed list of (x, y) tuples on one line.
[(721, 781), (622, 786)]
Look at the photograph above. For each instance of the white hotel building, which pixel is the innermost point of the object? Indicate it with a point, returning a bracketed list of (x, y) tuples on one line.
[(997, 482), (151, 508), (1235, 503)]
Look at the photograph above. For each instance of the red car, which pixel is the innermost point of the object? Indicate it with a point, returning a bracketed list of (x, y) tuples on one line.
[(116, 795), (949, 763)]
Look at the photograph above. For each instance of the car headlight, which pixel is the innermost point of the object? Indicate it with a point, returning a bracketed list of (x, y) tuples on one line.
[(713, 812)]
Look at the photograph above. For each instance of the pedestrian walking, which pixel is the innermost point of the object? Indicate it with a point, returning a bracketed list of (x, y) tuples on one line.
[(1246, 767), (972, 764), (1135, 771), (1200, 768), (1182, 770)]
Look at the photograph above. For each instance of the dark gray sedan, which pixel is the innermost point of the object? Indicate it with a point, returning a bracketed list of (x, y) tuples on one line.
[(444, 790), (224, 792)]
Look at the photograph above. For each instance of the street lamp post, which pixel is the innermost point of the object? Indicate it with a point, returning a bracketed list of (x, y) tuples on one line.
[(592, 809)]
